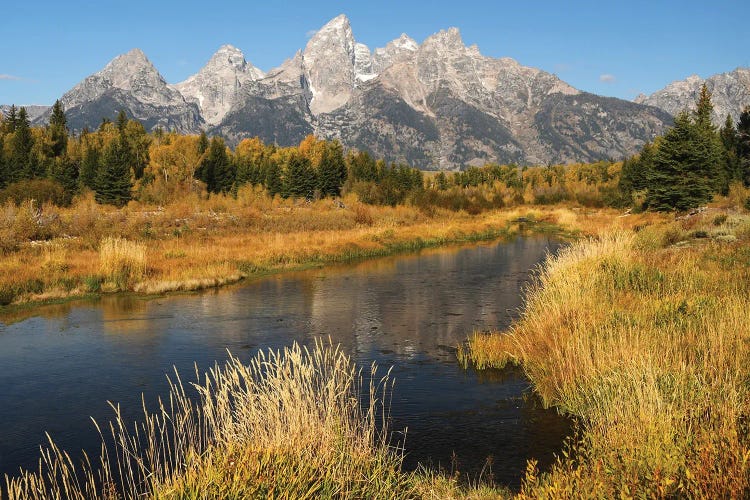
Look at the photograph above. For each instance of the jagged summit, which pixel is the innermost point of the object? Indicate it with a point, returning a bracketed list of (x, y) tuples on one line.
[(129, 82), (435, 104), (448, 38), (131, 72), (730, 93), (216, 86), (329, 62)]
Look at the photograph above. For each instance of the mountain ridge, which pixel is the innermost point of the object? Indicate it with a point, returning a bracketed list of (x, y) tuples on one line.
[(730, 93), (438, 104)]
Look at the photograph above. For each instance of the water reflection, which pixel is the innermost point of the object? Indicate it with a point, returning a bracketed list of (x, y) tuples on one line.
[(62, 366)]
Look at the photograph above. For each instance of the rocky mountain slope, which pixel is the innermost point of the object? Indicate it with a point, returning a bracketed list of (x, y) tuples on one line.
[(216, 86), (131, 83), (439, 104), (730, 93), (34, 111)]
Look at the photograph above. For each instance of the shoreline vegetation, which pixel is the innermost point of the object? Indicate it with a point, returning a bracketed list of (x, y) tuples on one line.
[(639, 329), (294, 423), (644, 337), (284, 236)]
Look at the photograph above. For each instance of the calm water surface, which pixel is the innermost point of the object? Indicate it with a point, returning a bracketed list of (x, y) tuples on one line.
[(61, 366)]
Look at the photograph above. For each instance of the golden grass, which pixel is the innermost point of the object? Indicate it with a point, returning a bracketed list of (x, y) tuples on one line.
[(198, 243), (291, 424), (645, 337), (122, 262)]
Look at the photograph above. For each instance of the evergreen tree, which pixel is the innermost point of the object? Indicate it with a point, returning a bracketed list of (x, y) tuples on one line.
[(65, 172), (441, 181), (332, 170), (272, 177), (743, 145), (3, 169), (90, 163), (636, 171), (683, 175), (299, 177), (12, 120), (113, 184), (728, 136), (703, 110), (362, 167), (203, 143), (58, 130), (21, 162), (714, 151), (122, 121), (216, 168)]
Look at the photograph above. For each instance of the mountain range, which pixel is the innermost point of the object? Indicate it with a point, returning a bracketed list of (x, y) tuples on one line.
[(438, 104)]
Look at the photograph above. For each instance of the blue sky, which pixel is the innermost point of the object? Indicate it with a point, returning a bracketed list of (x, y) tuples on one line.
[(611, 48)]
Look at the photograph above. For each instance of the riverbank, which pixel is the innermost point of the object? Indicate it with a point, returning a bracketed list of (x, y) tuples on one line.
[(90, 250), (645, 338)]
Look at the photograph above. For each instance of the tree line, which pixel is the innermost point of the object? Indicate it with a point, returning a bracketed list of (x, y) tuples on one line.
[(693, 161), (120, 161)]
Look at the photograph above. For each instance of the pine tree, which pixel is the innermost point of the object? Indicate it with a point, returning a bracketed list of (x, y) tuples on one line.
[(714, 151), (682, 174), (332, 171), (299, 178), (58, 130), (90, 163), (65, 172), (202, 143), (441, 181), (272, 177), (743, 145), (21, 162), (113, 184), (3, 169), (12, 119), (122, 121), (216, 169), (728, 136)]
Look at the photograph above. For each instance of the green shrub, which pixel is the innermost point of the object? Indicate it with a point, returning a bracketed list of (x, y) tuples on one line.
[(41, 190)]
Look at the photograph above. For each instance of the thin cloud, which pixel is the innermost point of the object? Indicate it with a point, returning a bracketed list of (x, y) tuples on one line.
[(10, 77), (310, 33), (562, 67), (607, 78)]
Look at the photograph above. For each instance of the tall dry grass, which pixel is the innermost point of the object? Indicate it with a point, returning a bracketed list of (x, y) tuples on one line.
[(122, 263), (296, 423), (197, 243), (645, 337)]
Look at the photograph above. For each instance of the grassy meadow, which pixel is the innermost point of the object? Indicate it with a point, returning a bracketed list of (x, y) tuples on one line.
[(639, 329), (644, 336), (88, 248)]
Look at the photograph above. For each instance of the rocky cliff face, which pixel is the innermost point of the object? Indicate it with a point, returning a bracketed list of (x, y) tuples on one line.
[(440, 104), (730, 93), (474, 109), (34, 110), (216, 86), (131, 83)]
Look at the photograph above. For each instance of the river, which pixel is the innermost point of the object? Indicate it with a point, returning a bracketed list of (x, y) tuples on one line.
[(61, 364)]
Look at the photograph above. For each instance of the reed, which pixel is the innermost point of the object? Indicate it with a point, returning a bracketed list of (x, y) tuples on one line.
[(122, 262), (296, 423), (645, 337)]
